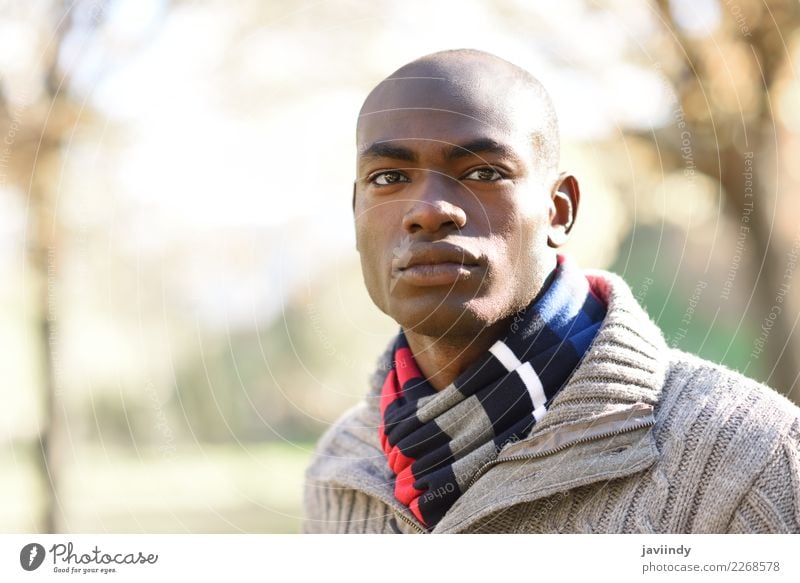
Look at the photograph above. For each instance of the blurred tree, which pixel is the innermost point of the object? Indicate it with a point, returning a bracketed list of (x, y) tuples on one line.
[(724, 78), (36, 115)]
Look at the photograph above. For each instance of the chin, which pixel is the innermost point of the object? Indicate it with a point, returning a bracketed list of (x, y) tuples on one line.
[(441, 320)]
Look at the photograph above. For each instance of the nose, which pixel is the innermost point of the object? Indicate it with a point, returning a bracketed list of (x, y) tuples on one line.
[(434, 209)]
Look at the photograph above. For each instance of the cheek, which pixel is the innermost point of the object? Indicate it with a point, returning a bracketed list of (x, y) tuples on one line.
[(519, 232), (371, 245), (367, 222), (520, 256), (367, 245)]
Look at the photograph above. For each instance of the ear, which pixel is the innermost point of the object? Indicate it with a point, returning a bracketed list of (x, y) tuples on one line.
[(564, 200)]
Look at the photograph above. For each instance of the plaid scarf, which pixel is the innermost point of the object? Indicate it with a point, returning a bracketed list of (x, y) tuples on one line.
[(435, 441)]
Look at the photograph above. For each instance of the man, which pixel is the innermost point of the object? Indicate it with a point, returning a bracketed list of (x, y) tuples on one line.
[(521, 393)]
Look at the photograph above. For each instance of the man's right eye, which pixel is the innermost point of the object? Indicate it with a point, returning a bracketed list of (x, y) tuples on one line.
[(388, 178)]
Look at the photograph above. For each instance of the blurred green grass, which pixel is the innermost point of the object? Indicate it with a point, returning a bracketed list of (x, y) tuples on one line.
[(250, 488)]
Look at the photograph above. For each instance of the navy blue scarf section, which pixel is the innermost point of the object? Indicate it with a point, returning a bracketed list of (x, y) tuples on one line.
[(435, 441)]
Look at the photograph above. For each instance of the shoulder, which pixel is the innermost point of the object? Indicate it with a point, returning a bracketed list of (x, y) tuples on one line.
[(352, 436), (720, 420), (698, 383), (727, 443), (345, 476)]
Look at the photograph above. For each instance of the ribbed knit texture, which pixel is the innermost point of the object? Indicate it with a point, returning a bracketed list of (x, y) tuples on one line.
[(722, 456)]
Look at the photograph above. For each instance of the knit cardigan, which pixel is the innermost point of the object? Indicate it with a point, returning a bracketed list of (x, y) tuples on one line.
[(642, 438)]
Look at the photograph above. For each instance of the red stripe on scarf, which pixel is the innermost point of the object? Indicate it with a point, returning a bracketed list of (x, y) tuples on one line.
[(599, 289), (414, 507), (404, 489), (392, 391), (389, 393), (406, 367)]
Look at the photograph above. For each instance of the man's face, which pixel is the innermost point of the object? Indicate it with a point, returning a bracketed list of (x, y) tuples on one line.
[(451, 209)]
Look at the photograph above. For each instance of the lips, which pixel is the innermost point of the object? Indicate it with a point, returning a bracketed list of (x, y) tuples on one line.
[(434, 254), (425, 265)]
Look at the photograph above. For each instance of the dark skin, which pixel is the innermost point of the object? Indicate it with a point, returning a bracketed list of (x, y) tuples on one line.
[(455, 162)]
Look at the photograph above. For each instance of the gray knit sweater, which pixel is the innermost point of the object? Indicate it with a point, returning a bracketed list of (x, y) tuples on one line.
[(642, 438)]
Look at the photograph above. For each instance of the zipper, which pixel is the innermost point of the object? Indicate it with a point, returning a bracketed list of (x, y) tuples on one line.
[(398, 510), (540, 454), (412, 523)]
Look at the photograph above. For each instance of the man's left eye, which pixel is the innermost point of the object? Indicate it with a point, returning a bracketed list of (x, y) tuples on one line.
[(484, 175)]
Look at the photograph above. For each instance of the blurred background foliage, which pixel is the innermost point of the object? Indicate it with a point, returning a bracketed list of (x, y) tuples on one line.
[(182, 311)]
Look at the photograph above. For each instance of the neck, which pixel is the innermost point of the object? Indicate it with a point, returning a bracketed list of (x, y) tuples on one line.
[(442, 359)]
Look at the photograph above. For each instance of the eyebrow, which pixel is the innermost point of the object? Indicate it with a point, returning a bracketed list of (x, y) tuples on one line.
[(480, 146), (386, 149)]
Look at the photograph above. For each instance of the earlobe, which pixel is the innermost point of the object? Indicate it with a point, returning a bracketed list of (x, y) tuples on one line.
[(563, 209)]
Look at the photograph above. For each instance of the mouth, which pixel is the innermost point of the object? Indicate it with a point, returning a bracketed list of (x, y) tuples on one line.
[(434, 264), (436, 274)]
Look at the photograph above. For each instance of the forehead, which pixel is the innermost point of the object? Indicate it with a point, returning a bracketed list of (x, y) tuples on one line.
[(435, 131), (438, 109)]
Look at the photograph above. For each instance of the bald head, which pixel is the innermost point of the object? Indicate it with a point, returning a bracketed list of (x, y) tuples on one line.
[(459, 148), (477, 86)]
